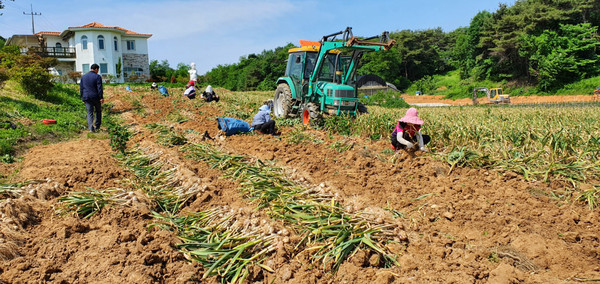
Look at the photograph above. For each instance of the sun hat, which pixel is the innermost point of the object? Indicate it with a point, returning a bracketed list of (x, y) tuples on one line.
[(191, 83), (412, 116)]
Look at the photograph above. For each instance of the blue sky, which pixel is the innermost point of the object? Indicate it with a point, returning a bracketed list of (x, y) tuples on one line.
[(211, 33)]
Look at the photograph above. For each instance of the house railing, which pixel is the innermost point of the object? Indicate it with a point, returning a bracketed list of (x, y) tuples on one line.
[(62, 52)]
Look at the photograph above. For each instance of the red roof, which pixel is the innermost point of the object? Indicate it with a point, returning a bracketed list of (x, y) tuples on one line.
[(47, 33), (99, 25)]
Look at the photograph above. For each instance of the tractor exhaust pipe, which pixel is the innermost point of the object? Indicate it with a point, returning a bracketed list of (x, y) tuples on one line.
[(347, 35), (326, 38)]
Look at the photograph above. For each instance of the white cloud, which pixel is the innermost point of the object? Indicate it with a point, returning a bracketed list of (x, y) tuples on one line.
[(179, 19)]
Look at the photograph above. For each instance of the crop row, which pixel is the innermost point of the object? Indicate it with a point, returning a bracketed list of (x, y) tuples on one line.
[(333, 232)]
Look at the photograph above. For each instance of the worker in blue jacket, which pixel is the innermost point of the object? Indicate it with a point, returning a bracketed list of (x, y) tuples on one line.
[(90, 89), (262, 121)]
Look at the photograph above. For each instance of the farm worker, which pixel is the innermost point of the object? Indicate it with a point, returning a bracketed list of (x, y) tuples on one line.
[(408, 131), (163, 91), (262, 121), (154, 86), (90, 89), (209, 95), (190, 91)]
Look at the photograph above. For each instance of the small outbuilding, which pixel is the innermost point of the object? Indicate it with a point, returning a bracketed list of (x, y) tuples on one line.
[(371, 84)]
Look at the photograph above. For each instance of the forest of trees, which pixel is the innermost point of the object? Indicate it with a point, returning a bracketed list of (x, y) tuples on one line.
[(540, 43)]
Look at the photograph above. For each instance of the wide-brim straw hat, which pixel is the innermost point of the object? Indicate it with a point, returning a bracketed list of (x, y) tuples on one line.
[(412, 116)]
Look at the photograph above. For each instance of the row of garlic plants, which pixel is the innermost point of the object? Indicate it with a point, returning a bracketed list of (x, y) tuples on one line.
[(224, 244), (216, 237), (542, 143), (329, 231), (325, 226)]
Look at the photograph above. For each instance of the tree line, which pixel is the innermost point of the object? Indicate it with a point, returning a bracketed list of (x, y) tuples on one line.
[(542, 43)]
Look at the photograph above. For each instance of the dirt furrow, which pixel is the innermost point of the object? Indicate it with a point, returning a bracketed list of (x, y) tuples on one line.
[(455, 223)]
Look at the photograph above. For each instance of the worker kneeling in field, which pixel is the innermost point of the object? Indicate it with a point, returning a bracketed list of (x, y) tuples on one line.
[(209, 95), (190, 91), (262, 121), (408, 132)]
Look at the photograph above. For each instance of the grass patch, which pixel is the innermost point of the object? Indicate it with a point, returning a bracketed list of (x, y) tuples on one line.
[(582, 87), (451, 86), (26, 113)]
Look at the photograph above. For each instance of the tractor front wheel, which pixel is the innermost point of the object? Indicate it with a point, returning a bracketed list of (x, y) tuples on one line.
[(310, 114), (282, 102)]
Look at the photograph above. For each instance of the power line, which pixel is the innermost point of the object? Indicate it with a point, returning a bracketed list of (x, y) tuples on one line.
[(32, 14)]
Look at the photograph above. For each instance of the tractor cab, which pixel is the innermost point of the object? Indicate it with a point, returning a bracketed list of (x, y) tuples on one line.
[(331, 83)]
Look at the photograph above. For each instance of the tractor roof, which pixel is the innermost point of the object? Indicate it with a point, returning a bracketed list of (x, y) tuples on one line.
[(308, 45)]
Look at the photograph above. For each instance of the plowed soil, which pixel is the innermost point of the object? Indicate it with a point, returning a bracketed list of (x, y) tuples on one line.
[(463, 226)]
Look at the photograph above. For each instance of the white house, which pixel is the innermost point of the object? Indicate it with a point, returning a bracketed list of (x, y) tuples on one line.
[(119, 52)]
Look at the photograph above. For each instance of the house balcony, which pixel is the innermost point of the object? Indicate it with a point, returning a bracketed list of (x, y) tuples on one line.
[(58, 52)]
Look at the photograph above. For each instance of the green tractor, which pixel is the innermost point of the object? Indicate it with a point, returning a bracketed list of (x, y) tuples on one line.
[(320, 77)]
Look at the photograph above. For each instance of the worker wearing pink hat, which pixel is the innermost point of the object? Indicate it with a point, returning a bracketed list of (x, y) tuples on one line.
[(408, 132)]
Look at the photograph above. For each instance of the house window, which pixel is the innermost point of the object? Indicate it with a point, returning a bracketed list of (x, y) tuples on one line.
[(83, 42), (103, 68), (132, 71), (100, 42), (116, 43), (85, 68), (131, 45)]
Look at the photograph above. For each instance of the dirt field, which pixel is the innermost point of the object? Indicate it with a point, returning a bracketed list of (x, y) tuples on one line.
[(472, 226)]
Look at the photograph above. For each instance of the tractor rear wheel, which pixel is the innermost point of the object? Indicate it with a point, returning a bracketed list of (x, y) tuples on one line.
[(311, 114), (282, 102)]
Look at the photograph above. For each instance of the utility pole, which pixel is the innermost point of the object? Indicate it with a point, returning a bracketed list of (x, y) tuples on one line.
[(32, 14)]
